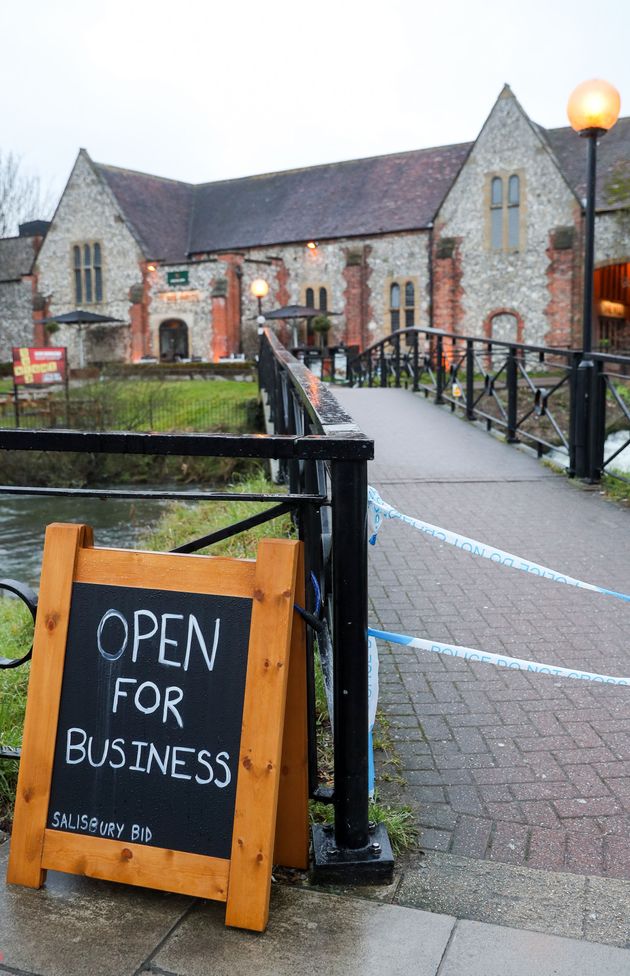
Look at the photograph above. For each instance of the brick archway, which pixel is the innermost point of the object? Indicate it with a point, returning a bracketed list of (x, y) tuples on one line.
[(520, 325)]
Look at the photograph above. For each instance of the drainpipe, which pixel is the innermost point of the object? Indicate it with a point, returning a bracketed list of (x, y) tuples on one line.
[(430, 260)]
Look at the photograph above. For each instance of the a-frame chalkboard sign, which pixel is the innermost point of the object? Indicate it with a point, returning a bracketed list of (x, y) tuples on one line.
[(165, 734)]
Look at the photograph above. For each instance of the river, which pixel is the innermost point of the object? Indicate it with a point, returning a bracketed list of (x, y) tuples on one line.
[(23, 521)]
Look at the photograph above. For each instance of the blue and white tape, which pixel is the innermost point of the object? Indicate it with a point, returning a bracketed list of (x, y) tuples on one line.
[(502, 660), (379, 510)]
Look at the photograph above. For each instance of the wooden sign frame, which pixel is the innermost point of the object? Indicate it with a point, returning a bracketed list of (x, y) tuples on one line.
[(271, 810)]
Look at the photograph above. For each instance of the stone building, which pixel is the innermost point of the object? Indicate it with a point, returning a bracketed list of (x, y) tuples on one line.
[(480, 238), (17, 286)]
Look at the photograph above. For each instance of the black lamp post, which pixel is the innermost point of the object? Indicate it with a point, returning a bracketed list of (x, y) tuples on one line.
[(593, 109)]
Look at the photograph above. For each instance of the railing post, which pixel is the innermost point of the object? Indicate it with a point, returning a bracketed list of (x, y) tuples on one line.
[(383, 366), (470, 379), (415, 362), (512, 391), (355, 850), (583, 388), (397, 360), (597, 422), (439, 370)]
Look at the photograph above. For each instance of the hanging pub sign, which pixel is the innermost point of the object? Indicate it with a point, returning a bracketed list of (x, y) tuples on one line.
[(153, 749), (38, 367), (177, 277)]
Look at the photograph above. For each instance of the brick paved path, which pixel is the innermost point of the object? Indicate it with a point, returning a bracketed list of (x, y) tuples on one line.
[(502, 765)]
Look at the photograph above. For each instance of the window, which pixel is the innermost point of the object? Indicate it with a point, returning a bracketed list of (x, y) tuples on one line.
[(505, 212), (402, 304), (514, 195), (88, 273), (394, 307), (496, 214), (322, 297)]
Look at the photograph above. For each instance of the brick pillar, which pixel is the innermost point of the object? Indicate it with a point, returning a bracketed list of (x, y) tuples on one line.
[(233, 301), (448, 311), (222, 336), (357, 309), (137, 319), (560, 287)]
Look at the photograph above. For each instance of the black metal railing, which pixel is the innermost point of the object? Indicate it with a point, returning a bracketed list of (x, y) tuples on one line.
[(533, 394), (320, 454)]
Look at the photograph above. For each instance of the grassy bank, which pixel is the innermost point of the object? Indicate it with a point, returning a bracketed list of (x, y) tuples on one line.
[(186, 406), (16, 634)]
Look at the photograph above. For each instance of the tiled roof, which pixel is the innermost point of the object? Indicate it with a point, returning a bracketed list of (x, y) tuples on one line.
[(158, 210), (16, 257), (612, 153), (364, 196), (382, 194)]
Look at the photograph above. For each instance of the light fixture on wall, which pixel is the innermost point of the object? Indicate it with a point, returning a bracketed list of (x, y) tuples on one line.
[(593, 109), (312, 245), (150, 267)]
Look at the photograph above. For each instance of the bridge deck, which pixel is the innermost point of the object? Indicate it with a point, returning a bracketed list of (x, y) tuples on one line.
[(501, 765)]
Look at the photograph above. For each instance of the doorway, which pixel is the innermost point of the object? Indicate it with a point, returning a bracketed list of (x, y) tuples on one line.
[(173, 341)]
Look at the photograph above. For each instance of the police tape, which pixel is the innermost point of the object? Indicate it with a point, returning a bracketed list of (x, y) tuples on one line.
[(379, 510), (502, 660)]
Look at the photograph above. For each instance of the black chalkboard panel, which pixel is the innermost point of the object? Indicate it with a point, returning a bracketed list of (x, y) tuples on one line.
[(150, 717)]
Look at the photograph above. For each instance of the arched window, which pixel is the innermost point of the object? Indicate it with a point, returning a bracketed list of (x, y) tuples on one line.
[(323, 299), (394, 306), (514, 200), (309, 297), (496, 213), (410, 305), (88, 273)]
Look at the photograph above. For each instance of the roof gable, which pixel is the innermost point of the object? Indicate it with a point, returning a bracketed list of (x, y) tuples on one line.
[(158, 210)]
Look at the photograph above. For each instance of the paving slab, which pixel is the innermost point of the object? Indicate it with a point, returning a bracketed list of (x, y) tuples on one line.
[(503, 894), (309, 933), (499, 765), (78, 926), (487, 950)]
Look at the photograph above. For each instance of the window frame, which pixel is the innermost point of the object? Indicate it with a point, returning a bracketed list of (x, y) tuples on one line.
[(86, 260), (512, 242)]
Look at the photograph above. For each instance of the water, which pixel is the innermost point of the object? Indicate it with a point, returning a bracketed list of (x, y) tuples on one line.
[(612, 444), (23, 520)]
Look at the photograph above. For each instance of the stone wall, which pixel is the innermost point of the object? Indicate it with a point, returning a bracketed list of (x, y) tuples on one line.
[(88, 213), (519, 280), (16, 316)]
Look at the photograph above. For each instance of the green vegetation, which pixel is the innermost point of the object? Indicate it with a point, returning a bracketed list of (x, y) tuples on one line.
[(191, 405), (16, 634), (615, 488)]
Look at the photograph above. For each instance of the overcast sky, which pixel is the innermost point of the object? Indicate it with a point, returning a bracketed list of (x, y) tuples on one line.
[(201, 90)]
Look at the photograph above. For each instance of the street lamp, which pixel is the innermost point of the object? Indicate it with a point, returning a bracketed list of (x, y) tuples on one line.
[(259, 289), (593, 109)]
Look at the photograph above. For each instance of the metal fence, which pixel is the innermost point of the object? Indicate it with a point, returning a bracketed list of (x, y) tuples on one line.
[(320, 454), (538, 395), (149, 413)]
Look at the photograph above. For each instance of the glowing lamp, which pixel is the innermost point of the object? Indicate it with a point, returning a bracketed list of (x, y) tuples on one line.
[(150, 267), (259, 288), (312, 245), (594, 105)]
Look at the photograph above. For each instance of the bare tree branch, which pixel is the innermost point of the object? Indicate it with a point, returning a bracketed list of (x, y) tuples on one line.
[(22, 197)]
